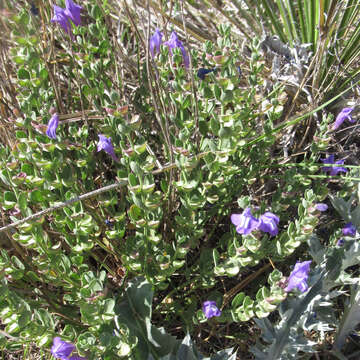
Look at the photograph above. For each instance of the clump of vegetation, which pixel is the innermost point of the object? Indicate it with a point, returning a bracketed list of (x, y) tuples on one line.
[(175, 187)]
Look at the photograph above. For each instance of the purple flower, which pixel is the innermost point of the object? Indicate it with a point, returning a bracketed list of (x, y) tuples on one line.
[(210, 309), (155, 42), (334, 170), (298, 277), (245, 223), (349, 229), (343, 115), (340, 242), (173, 43), (61, 349), (72, 10), (62, 19), (268, 223), (321, 207), (105, 144), (202, 72), (52, 126), (63, 16), (34, 9)]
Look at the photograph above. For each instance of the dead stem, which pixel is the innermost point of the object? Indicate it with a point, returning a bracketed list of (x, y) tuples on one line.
[(232, 292)]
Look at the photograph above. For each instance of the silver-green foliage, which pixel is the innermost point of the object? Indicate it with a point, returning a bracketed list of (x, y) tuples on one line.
[(154, 343), (314, 310)]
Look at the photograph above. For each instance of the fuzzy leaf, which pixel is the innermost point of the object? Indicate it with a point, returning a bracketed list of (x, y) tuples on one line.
[(186, 351), (224, 355), (350, 319), (135, 312), (153, 342), (341, 206), (284, 336)]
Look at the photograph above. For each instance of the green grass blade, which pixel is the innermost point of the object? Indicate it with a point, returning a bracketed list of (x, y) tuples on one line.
[(248, 15), (310, 14), (286, 22), (302, 23), (271, 14), (294, 20)]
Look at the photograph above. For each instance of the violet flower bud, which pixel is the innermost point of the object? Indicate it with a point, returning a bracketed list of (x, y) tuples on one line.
[(321, 207), (202, 72), (52, 126), (155, 42), (173, 43), (106, 145), (343, 115)]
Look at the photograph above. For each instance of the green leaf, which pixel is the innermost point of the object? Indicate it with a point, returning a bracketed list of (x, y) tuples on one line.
[(350, 318), (85, 340), (135, 312), (9, 200), (217, 92), (96, 12), (226, 354), (341, 206), (280, 338), (27, 168), (135, 212), (37, 196), (23, 74), (186, 351), (43, 74), (19, 60), (214, 125), (21, 134)]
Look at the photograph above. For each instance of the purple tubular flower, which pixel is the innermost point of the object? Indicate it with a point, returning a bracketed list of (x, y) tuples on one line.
[(34, 9), (63, 16), (298, 277), (155, 42), (202, 72), (245, 223), (72, 11), (62, 19), (52, 126), (321, 207), (340, 242), (268, 223), (105, 144), (349, 229), (334, 170), (61, 349), (210, 309), (343, 115), (173, 43)]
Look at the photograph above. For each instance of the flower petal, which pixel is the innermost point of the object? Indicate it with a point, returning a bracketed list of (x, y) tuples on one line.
[(61, 349), (298, 277), (73, 12), (52, 126), (210, 309)]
